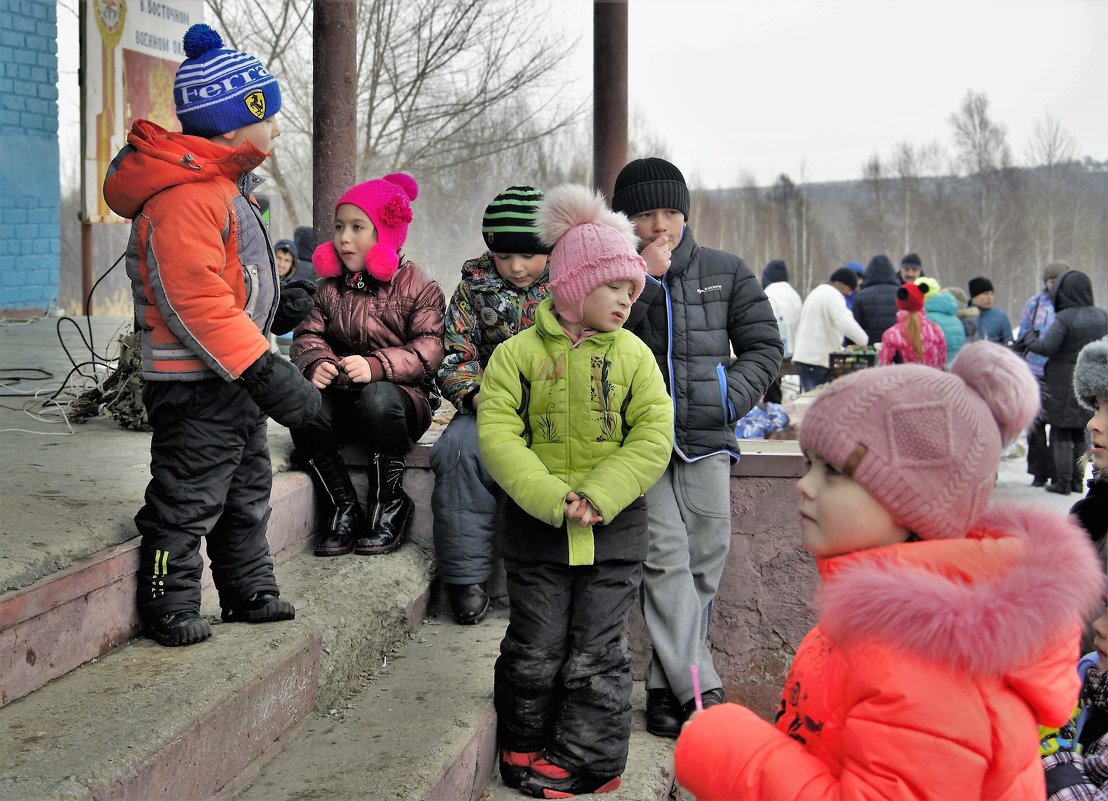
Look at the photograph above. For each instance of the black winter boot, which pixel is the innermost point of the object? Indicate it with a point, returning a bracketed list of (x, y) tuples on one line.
[(1063, 467), (178, 628), (390, 509), (347, 520)]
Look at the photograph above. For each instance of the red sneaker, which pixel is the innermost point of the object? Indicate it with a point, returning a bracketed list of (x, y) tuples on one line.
[(514, 765)]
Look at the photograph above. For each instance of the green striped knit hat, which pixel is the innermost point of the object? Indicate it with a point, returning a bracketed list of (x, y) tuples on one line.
[(509, 222)]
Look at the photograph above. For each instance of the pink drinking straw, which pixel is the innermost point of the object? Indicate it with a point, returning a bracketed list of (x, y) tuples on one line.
[(695, 671)]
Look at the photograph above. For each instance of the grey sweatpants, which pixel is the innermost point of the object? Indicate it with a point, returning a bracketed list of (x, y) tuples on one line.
[(689, 513), (464, 504)]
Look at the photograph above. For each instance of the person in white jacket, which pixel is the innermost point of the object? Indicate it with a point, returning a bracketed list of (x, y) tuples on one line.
[(824, 321), (786, 305)]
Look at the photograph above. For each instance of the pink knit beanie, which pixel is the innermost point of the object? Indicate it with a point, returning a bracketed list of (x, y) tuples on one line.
[(930, 441), (386, 201), (593, 245)]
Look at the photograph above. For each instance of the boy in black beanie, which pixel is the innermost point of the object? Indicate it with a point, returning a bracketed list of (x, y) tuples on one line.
[(699, 306)]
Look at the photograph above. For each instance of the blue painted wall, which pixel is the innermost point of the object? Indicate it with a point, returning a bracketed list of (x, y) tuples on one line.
[(30, 198)]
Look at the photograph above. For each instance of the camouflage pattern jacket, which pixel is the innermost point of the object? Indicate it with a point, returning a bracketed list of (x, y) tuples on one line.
[(484, 311)]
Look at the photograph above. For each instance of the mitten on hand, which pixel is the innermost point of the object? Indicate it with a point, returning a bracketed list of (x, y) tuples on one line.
[(294, 305), (281, 392)]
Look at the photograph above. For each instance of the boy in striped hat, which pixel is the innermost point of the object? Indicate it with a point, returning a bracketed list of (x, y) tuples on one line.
[(495, 299)]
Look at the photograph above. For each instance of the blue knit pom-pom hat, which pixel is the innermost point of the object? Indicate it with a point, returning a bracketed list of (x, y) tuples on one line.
[(218, 90)]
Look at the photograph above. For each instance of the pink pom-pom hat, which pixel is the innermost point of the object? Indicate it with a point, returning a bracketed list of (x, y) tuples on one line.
[(931, 444), (387, 203)]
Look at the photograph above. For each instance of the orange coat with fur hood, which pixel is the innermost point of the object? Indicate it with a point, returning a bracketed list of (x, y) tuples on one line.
[(924, 680)]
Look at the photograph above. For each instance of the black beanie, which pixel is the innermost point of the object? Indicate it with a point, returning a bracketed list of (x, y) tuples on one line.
[(775, 272), (979, 285), (912, 260), (845, 275), (509, 222), (647, 184)]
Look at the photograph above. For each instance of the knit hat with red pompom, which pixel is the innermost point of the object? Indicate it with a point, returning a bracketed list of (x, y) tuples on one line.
[(909, 297), (592, 245), (931, 444), (387, 203)]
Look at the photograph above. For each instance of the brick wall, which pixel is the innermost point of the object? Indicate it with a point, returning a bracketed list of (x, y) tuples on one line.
[(30, 243)]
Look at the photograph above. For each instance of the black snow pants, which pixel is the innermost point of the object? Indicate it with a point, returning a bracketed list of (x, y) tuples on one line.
[(563, 678), (210, 476)]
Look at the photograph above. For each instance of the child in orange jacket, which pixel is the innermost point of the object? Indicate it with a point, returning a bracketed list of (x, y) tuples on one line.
[(948, 631)]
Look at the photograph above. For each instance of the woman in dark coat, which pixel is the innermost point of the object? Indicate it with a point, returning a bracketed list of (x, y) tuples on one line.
[(1077, 323)]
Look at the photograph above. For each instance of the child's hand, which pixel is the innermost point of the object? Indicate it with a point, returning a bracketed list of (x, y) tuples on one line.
[(657, 256), (580, 511), (475, 399), (357, 368), (1100, 640), (323, 374)]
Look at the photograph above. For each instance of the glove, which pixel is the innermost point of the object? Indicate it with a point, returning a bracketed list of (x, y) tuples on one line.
[(294, 305), (281, 392)]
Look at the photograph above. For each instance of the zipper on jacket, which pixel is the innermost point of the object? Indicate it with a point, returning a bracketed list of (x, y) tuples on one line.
[(251, 270), (724, 401)]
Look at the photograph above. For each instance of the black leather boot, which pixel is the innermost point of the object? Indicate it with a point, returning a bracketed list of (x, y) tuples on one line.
[(347, 520), (390, 509), (1063, 467)]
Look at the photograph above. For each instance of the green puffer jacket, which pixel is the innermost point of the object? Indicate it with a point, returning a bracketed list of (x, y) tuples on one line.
[(594, 419)]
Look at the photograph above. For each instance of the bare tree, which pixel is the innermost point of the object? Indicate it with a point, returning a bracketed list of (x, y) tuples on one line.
[(1051, 153), (983, 154), (440, 84)]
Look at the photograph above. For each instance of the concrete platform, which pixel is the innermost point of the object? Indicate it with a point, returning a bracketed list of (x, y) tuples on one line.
[(85, 712)]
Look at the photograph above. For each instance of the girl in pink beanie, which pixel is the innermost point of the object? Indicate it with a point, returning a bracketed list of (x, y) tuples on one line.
[(948, 632), (372, 343)]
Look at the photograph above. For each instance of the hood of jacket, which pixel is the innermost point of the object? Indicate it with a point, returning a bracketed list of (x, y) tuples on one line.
[(304, 237), (287, 245), (1072, 289), (156, 159), (987, 604), (481, 275), (880, 271), (943, 303), (774, 272)]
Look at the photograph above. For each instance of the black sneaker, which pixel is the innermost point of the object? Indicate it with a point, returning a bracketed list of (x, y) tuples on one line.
[(664, 715), (179, 628), (468, 602), (261, 607), (707, 699), (547, 780)]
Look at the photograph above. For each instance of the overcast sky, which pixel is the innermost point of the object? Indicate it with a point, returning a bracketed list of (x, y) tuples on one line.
[(772, 86), (766, 86)]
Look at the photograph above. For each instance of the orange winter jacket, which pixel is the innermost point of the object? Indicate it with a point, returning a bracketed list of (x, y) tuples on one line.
[(202, 270), (924, 680)]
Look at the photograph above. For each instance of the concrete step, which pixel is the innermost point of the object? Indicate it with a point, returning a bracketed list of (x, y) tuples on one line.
[(77, 614), (145, 722), (425, 730)]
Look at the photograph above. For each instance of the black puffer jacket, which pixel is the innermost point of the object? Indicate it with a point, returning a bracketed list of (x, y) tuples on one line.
[(1077, 322), (875, 303), (707, 306)]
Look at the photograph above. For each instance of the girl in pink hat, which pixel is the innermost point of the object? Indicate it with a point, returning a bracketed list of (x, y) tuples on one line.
[(948, 630), (372, 343)]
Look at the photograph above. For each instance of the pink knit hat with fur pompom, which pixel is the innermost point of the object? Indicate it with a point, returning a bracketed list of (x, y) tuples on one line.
[(387, 203), (593, 245), (930, 446)]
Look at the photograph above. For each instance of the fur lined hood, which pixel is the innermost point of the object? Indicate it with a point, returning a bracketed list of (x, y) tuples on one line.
[(986, 604)]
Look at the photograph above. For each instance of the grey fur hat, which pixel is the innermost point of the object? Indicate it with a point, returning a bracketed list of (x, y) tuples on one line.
[(1090, 376)]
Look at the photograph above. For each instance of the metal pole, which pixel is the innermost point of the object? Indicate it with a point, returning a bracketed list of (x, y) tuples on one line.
[(609, 116), (334, 130), (86, 267)]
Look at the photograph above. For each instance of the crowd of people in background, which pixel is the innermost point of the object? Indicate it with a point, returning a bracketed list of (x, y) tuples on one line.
[(600, 361)]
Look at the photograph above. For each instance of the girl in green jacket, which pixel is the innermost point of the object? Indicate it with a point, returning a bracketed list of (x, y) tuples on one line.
[(575, 425)]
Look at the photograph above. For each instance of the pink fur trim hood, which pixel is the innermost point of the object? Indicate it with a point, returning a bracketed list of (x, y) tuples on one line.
[(979, 620)]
